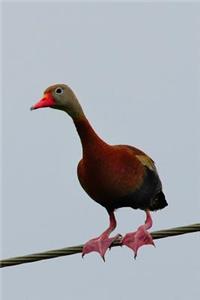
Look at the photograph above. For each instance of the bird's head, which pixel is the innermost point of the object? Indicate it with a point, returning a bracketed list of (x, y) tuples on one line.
[(60, 96)]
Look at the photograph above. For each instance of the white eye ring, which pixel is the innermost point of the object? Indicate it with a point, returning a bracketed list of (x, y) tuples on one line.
[(59, 91)]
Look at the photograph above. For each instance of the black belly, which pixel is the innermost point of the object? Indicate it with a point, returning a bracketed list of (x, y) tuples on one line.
[(148, 196)]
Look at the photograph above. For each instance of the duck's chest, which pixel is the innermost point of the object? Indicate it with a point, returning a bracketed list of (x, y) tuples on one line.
[(110, 176)]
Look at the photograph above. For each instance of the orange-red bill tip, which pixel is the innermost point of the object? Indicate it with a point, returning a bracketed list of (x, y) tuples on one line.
[(47, 101)]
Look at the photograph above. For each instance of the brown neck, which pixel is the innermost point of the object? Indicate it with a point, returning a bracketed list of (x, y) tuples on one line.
[(92, 144)]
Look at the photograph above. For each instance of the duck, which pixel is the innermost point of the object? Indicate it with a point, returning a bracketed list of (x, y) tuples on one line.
[(114, 176)]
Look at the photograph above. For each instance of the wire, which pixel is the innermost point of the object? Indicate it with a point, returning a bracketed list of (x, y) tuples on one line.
[(78, 249)]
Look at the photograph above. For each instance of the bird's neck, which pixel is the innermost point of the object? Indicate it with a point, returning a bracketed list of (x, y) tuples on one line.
[(92, 144)]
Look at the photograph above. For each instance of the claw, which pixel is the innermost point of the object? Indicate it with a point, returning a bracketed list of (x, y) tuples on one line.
[(100, 245), (139, 238), (135, 240)]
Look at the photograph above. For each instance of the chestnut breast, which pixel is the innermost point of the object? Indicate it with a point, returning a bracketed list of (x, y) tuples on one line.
[(110, 174)]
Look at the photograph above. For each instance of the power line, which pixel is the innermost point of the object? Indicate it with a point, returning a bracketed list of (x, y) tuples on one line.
[(78, 249)]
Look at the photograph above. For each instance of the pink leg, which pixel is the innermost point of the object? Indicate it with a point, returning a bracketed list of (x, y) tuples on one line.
[(135, 240), (103, 242)]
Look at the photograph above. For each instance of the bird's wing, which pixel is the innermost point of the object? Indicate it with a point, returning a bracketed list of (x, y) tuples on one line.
[(145, 160)]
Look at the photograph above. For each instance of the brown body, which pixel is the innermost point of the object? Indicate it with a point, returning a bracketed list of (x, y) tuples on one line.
[(117, 176)]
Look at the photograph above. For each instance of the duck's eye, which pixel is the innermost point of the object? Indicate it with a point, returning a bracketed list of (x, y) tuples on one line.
[(59, 91)]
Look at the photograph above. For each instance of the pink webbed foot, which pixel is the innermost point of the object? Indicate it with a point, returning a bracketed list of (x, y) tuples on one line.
[(100, 245), (135, 240), (103, 242)]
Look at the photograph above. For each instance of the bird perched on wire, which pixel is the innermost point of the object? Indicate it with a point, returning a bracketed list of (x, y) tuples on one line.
[(113, 176)]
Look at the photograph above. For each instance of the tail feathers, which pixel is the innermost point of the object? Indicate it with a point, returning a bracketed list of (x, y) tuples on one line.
[(158, 202)]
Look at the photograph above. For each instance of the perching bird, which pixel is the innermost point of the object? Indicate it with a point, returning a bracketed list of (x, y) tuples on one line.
[(113, 176)]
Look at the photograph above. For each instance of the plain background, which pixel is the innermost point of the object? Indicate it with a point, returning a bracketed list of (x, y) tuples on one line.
[(135, 69)]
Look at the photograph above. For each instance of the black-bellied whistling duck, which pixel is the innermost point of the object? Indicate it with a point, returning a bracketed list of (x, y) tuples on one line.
[(114, 176)]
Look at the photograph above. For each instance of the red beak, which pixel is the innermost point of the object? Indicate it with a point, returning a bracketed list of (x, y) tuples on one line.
[(47, 101)]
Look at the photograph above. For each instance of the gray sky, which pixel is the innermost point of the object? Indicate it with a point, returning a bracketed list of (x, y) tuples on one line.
[(135, 69)]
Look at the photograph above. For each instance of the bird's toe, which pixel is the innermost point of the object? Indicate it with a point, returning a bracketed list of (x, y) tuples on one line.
[(137, 239), (100, 245)]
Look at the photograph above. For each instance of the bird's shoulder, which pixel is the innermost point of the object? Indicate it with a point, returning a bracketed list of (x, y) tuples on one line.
[(139, 155), (120, 156)]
